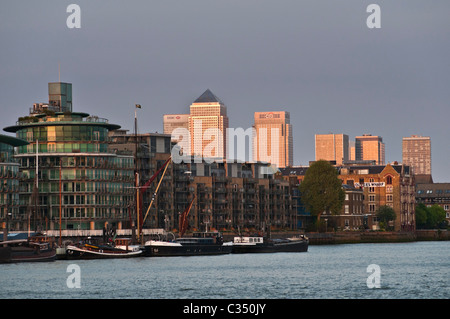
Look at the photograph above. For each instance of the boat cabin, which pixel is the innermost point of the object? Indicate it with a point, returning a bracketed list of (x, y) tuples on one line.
[(248, 240)]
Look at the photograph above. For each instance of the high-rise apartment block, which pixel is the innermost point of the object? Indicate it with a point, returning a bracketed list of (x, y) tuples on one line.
[(273, 141), (370, 148), (332, 147), (417, 153)]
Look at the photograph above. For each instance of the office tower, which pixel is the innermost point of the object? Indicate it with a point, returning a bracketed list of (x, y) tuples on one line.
[(351, 148), (174, 121), (208, 123), (332, 147), (417, 154), (370, 148), (273, 141)]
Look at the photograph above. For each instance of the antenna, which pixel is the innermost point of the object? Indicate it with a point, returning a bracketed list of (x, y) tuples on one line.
[(59, 72)]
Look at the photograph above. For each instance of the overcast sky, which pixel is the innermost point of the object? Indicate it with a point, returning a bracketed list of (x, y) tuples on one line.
[(316, 59)]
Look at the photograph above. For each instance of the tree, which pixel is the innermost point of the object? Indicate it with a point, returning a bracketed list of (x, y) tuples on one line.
[(436, 216), (430, 217), (421, 216), (386, 214), (321, 189)]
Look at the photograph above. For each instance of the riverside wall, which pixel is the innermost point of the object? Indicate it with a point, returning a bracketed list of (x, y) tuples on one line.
[(349, 237)]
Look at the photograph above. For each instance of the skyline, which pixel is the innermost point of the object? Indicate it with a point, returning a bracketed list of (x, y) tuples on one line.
[(319, 62)]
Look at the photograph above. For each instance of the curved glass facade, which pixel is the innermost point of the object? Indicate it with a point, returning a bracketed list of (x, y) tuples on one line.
[(9, 181), (76, 174)]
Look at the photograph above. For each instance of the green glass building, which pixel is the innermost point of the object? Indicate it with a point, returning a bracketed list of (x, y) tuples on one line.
[(9, 181), (67, 169)]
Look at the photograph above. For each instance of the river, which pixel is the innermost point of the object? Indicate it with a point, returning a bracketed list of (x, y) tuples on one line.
[(363, 271)]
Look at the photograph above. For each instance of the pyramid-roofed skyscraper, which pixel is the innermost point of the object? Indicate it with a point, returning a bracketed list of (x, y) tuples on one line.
[(207, 120)]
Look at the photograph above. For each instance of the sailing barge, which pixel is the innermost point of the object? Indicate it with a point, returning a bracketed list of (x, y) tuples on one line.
[(37, 248), (121, 248), (200, 243)]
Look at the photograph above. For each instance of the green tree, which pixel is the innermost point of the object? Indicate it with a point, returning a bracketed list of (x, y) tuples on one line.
[(430, 217), (421, 216), (386, 214), (321, 190), (436, 216)]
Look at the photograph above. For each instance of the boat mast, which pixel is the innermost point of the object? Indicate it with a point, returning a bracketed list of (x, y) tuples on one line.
[(144, 188), (60, 203), (136, 173), (184, 222)]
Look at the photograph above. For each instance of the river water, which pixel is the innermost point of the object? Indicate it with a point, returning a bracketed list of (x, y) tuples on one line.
[(405, 271)]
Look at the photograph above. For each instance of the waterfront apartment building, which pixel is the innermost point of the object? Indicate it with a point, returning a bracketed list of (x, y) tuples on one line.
[(273, 140), (391, 185), (232, 196), (153, 150), (67, 171), (416, 152), (9, 182), (332, 147), (370, 148), (208, 122)]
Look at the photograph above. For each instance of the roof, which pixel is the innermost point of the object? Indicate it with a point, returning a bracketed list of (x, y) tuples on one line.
[(299, 171), (207, 97), (13, 141), (371, 169)]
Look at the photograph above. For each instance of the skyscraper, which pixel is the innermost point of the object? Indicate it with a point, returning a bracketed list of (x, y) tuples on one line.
[(370, 148), (273, 142), (416, 151), (208, 122), (332, 147), (174, 121)]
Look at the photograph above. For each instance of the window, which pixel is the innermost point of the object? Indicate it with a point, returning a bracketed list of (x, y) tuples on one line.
[(371, 198), (51, 147), (372, 208), (347, 209), (389, 198), (389, 180)]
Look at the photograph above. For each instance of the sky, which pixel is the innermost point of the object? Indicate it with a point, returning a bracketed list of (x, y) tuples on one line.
[(316, 59)]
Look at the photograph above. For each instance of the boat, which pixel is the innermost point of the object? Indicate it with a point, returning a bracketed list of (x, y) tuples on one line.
[(200, 243), (261, 244), (120, 248), (36, 248)]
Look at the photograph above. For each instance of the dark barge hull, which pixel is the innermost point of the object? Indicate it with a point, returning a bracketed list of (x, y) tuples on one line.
[(272, 247), (186, 250), (25, 254), (74, 254)]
